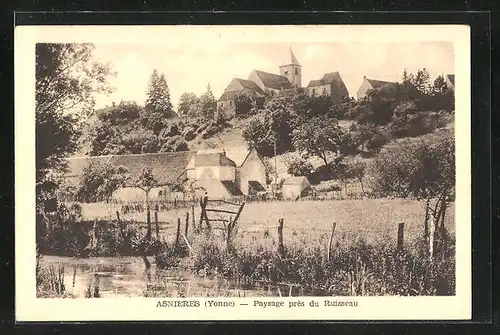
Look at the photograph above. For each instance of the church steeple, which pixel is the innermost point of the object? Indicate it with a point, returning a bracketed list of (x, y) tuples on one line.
[(292, 71), (294, 59)]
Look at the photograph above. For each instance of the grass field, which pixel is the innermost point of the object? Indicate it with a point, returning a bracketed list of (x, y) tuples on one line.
[(373, 219)]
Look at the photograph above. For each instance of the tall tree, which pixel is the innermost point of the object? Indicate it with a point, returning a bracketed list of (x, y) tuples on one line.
[(318, 136), (188, 103), (158, 107), (100, 181), (207, 105), (146, 181), (67, 77)]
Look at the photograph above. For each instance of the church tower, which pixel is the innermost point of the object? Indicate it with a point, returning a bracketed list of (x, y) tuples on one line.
[(292, 71)]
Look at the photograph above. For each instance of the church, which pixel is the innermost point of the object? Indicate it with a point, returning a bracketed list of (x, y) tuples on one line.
[(289, 79)]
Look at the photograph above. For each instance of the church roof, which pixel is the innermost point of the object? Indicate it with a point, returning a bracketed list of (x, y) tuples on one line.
[(328, 78), (248, 84), (275, 81), (294, 59)]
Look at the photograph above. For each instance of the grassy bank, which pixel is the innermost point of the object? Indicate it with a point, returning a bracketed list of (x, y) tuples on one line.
[(351, 268)]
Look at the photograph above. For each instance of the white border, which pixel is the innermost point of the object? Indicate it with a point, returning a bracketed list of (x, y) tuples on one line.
[(29, 308)]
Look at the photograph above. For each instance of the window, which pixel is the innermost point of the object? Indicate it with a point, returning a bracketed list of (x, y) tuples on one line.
[(324, 90), (230, 102), (160, 193), (286, 71), (313, 92), (297, 70)]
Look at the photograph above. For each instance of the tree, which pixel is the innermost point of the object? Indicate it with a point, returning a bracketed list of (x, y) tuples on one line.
[(158, 107), (439, 85), (273, 126), (421, 81), (423, 169), (146, 181), (207, 104), (357, 170), (188, 103), (317, 137), (300, 167), (140, 141), (66, 80), (100, 181)]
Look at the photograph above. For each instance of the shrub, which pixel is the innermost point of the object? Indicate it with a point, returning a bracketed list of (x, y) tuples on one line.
[(300, 167)]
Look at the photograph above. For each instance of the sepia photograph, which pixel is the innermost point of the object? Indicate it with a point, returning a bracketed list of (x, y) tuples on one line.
[(245, 167)]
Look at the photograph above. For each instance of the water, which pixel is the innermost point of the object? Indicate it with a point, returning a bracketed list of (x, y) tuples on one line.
[(128, 277)]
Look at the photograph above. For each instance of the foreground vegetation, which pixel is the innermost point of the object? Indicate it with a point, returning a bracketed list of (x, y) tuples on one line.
[(363, 258)]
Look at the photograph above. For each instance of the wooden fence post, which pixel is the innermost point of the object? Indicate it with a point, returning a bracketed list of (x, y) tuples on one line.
[(281, 247), (119, 222), (229, 230), (330, 243), (148, 221), (187, 225), (401, 230), (431, 238), (178, 233), (157, 226), (192, 217), (426, 221)]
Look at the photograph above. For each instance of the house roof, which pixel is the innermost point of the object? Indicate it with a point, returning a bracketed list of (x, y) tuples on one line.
[(256, 186), (212, 159), (229, 95), (379, 83), (236, 154), (275, 81), (451, 78), (237, 86), (166, 167), (328, 78), (296, 180)]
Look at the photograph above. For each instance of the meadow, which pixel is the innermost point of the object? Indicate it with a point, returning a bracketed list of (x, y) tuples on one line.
[(373, 219), (359, 257)]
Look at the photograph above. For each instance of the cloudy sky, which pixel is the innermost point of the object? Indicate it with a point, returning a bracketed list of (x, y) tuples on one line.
[(190, 67)]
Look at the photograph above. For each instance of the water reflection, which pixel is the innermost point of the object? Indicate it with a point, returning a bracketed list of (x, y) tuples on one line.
[(127, 277)]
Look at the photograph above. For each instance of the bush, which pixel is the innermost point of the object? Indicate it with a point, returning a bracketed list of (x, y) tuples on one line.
[(300, 167)]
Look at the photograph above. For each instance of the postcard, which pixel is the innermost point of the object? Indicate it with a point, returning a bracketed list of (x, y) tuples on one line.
[(242, 172)]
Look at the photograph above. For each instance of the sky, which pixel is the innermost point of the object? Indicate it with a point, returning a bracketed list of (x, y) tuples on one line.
[(190, 67)]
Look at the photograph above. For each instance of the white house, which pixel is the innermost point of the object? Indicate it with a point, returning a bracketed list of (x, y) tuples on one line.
[(221, 173)]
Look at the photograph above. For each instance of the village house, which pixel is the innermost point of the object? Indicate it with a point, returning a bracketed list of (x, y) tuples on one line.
[(295, 187), (330, 84), (372, 84), (219, 173), (450, 81)]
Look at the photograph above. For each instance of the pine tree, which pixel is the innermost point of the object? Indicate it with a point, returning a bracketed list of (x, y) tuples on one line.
[(207, 104), (158, 107)]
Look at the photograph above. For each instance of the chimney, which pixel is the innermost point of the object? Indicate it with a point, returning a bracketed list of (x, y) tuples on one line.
[(223, 152), (364, 77), (113, 104)]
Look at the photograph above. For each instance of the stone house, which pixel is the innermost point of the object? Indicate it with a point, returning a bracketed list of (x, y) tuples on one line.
[(295, 187), (450, 81), (330, 84), (220, 173)]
